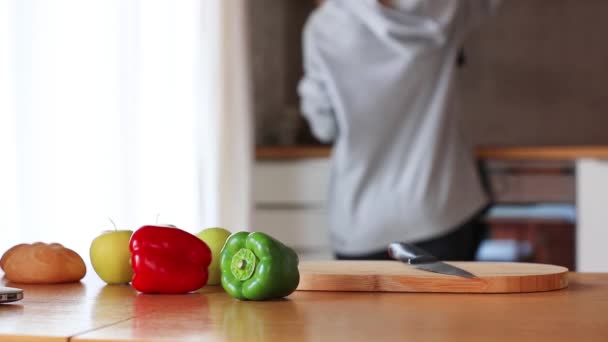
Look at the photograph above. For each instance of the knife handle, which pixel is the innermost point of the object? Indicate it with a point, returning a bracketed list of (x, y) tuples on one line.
[(409, 253)]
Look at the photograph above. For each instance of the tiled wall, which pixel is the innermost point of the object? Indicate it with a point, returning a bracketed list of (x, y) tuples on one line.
[(275, 29), (535, 74)]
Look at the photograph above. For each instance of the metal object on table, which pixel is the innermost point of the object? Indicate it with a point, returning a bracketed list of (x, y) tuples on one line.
[(10, 294), (423, 260)]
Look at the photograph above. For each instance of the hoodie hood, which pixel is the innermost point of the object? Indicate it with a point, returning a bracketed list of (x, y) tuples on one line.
[(408, 19)]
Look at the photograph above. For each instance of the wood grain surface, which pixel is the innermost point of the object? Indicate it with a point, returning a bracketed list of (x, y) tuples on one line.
[(482, 153), (56, 312), (542, 152), (91, 311), (395, 276)]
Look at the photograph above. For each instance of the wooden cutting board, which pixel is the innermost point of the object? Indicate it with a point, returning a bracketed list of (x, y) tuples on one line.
[(395, 276)]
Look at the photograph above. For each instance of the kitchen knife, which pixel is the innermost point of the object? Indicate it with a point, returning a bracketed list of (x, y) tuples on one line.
[(423, 260)]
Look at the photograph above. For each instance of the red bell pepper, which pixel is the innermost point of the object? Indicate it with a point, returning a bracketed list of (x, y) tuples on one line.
[(168, 260)]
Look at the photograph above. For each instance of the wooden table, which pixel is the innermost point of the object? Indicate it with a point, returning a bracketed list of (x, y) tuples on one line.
[(90, 311)]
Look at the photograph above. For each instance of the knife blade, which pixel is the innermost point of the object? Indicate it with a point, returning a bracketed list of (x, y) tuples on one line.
[(423, 260)]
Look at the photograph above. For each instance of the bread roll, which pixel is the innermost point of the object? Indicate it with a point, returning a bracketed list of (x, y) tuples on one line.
[(6, 254), (42, 263)]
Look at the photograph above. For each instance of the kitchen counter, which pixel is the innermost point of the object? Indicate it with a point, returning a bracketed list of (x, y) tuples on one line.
[(483, 153), (91, 311)]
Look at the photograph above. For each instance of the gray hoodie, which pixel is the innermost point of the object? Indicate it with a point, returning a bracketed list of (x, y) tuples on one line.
[(378, 85)]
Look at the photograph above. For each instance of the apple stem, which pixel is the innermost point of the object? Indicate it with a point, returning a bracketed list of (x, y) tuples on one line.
[(114, 224), (157, 215)]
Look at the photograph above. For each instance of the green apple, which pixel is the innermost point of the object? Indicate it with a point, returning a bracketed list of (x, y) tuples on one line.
[(111, 258), (215, 238)]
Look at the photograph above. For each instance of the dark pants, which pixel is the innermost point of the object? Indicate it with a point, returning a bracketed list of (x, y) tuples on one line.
[(460, 244)]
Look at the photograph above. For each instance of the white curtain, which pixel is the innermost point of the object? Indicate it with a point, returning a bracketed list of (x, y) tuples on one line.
[(135, 110)]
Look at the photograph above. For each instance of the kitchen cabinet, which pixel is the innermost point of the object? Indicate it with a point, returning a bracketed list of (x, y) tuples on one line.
[(592, 199), (551, 241), (591, 177), (289, 203)]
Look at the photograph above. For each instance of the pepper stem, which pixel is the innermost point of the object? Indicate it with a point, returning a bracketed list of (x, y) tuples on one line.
[(243, 264)]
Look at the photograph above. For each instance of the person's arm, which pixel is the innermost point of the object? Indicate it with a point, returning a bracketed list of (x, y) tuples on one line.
[(315, 102)]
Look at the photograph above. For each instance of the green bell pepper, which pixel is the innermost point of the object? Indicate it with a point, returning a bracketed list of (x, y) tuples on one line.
[(256, 266)]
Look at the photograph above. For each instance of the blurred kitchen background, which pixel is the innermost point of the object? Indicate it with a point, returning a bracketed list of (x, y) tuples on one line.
[(533, 76), (186, 112)]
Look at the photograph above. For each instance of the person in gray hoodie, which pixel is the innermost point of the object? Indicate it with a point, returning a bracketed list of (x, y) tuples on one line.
[(378, 84)]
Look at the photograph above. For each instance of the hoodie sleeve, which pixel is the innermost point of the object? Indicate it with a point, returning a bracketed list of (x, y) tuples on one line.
[(315, 102)]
